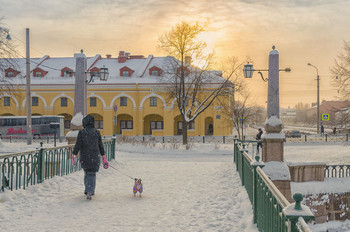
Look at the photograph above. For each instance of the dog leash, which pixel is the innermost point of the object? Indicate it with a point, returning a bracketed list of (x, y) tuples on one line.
[(121, 172)]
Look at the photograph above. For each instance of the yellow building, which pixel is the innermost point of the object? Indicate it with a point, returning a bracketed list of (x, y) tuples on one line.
[(133, 95)]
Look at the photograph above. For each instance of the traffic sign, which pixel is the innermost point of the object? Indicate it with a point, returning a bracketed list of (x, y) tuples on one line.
[(325, 117), (115, 108), (241, 120)]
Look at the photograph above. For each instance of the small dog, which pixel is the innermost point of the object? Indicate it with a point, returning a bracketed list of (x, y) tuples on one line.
[(138, 187)]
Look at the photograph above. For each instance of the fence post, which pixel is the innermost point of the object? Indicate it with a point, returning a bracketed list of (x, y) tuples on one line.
[(295, 210), (113, 147), (223, 138), (203, 139), (41, 164), (235, 150), (326, 137), (255, 165), (305, 138), (347, 137)]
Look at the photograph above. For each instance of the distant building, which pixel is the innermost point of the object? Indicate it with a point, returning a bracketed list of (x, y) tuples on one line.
[(327, 108), (134, 93), (287, 115)]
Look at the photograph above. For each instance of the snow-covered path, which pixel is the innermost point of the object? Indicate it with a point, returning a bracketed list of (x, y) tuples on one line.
[(196, 190)]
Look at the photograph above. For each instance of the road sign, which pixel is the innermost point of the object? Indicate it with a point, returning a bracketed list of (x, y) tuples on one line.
[(241, 120), (325, 117), (115, 108)]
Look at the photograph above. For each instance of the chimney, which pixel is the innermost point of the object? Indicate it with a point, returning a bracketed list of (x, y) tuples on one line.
[(109, 56), (188, 61), (121, 57)]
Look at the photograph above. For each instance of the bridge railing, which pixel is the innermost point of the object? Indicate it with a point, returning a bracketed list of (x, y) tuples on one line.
[(19, 170), (272, 211)]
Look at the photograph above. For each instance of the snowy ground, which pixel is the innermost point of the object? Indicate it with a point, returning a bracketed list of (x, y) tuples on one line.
[(196, 190)]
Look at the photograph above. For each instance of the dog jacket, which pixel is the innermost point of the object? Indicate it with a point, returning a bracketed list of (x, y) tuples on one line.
[(138, 187)]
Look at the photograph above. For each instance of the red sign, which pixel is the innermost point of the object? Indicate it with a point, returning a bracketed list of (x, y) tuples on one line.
[(12, 131)]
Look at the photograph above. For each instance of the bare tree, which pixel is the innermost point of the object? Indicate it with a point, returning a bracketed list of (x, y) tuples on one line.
[(7, 54), (301, 112), (341, 71), (194, 87)]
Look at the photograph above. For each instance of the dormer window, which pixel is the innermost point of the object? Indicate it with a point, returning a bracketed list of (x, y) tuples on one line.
[(37, 72), (10, 72), (155, 71), (66, 72), (126, 72), (186, 71), (94, 72)]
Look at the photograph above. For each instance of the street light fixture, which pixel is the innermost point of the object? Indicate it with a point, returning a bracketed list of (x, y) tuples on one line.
[(318, 98), (102, 74), (248, 71)]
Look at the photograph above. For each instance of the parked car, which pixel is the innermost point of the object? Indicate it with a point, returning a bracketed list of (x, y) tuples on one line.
[(293, 134)]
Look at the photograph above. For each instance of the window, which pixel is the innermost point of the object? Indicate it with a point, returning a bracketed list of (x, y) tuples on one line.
[(7, 101), (153, 101), (155, 73), (64, 102), (95, 74), (10, 74), (190, 126), (123, 101), (67, 124), (37, 74), (93, 101), (99, 124), (156, 125), (35, 101), (66, 74), (126, 124), (125, 73)]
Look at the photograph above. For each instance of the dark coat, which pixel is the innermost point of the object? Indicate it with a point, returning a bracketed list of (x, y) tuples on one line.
[(89, 143), (258, 135)]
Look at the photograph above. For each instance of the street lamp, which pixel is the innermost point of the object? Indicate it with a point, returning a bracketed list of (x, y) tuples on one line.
[(81, 82), (318, 98)]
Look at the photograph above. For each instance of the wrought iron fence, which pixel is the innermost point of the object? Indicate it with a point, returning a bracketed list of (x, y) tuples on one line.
[(21, 139), (19, 170), (268, 202)]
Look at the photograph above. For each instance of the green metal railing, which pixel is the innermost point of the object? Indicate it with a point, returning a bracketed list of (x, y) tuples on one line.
[(19, 170), (269, 204)]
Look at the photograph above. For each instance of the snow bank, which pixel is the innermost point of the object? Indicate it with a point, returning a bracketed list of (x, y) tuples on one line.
[(77, 120), (277, 170)]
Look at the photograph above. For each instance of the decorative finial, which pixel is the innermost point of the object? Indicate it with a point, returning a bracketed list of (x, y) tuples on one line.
[(273, 47), (81, 50), (298, 198)]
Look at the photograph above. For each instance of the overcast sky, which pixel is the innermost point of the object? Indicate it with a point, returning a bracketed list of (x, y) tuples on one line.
[(303, 31)]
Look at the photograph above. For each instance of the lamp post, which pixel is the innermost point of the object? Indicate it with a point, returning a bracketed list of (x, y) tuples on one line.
[(318, 98), (80, 97), (273, 140)]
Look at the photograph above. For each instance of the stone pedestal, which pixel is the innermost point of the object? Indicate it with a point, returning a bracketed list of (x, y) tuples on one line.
[(73, 133), (273, 141), (284, 187), (306, 171)]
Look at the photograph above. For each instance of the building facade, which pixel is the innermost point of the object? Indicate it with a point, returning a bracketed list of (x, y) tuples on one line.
[(133, 101)]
